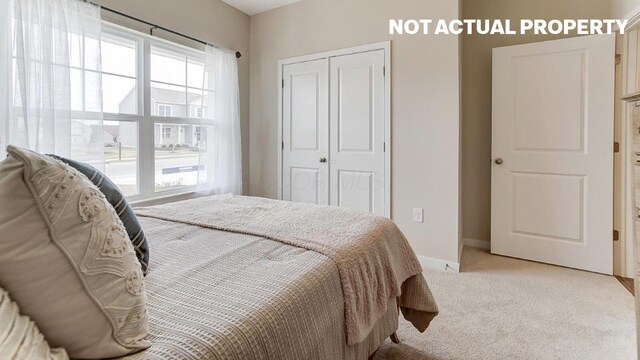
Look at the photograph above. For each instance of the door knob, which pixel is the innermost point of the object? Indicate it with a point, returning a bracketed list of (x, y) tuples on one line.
[(499, 161), (323, 159)]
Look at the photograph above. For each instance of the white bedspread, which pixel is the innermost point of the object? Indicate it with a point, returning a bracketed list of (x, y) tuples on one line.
[(219, 295), (373, 258)]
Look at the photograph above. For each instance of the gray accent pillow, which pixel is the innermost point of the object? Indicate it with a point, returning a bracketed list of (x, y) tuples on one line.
[(65, 257), (120, 204)]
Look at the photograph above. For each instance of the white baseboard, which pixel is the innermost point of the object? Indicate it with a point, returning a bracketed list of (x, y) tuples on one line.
[(452, 266), (477, 244), (437, 264)]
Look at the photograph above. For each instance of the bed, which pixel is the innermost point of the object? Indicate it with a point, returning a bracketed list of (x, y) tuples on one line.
[(214, 294)]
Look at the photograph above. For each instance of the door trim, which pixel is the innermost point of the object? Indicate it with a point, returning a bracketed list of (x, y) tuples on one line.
[(386, 46), (624, 257)]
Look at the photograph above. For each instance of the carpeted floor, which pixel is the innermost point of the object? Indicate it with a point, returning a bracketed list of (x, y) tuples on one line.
[(503, 308)]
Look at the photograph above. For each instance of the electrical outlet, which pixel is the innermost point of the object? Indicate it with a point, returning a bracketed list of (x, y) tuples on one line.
[(418, 215)]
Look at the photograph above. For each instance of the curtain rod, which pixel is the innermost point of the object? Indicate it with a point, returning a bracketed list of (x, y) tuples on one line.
[(154, 26)]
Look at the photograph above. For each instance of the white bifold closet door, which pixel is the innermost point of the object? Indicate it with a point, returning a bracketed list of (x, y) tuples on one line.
[(305, 127), (334, 131), (356, 123)]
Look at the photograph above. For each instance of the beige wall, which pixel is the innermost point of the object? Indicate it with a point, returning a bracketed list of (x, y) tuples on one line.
[(620, 8), (209, 20), (476, 88), (425, 106), (424, 103)]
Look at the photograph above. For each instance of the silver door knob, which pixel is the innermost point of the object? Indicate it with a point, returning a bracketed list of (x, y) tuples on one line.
[(499, 161), (323, 159)]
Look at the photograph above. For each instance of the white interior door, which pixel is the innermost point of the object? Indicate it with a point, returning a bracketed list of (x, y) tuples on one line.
[(552, 166), (357, 125), (305, 170)]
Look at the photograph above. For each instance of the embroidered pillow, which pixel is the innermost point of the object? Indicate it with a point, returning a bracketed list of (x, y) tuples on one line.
[(120, 204), (20, 337), (65, 257)]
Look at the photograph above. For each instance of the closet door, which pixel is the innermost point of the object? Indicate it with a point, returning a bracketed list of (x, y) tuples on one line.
[(357, 125), (305, 107)]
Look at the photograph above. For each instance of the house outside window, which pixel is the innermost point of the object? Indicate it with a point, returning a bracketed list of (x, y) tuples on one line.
[(166, 133)]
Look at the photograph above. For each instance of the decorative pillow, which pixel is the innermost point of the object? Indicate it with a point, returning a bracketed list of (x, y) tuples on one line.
[(120, 204), (20, 337), (65, 257)]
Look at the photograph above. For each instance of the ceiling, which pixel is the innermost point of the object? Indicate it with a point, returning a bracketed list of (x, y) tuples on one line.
[(252, 7)]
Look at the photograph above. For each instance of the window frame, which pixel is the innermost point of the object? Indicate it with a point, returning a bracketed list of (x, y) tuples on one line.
[(146, 121), (137, 118), (82, 114), (143, 117)]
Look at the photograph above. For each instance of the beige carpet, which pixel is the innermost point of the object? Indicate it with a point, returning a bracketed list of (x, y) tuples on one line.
[(503, 308)]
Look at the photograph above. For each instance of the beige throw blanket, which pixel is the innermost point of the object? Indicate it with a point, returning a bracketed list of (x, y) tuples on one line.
[(374, 259)]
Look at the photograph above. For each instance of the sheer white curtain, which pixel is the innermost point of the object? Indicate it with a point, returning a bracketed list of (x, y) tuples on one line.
[(221, 160), (50, 81)]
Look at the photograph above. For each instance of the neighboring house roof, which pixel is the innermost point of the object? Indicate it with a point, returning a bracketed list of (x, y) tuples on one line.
[(109, 132), (113, 130), (168, 96)]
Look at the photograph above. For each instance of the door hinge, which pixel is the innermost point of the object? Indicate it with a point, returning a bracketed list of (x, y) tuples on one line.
[(384, 70), (283, 145), (384, 147), (616, 147), (618, 59), (283, 83), (616, 235)]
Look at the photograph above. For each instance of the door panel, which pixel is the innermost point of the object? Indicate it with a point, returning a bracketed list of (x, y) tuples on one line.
[(355, 107), (357, 131), (355, 190), (552, 194), (304, 111), (559, 125), (305, 183), (305, 132), (557, 215)]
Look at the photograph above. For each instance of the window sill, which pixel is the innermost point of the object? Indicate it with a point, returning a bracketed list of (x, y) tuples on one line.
[(160, 198)]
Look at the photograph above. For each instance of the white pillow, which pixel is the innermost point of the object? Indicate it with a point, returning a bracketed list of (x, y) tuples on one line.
[(19, 336), (65, 257)]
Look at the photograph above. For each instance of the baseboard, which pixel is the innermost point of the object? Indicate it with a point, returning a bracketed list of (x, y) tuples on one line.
[(452, 266), (477, 244), (437, 264)]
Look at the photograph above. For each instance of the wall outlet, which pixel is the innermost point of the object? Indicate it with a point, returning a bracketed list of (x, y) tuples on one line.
[(418, 215)]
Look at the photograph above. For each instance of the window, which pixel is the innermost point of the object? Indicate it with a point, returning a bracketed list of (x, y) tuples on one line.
[(121, 85), (119, 72), (178, 77), (167, 105), (117, 66), (164, 110), (148, 120)]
